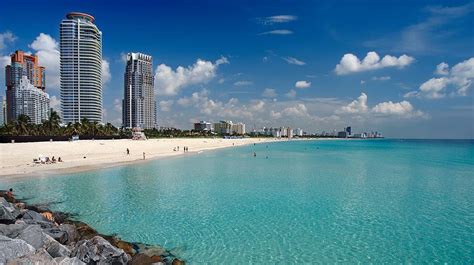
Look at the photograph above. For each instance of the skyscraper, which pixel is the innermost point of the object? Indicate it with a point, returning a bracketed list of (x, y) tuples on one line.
[(26, 85), (81, 68), (139, 105)]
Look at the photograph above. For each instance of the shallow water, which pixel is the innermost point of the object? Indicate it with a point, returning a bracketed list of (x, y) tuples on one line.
[(380, 201)]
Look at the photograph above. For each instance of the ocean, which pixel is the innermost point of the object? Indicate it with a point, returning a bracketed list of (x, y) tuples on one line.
[(334, 201)]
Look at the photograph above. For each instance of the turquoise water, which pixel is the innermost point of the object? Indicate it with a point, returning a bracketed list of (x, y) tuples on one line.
[(380, 201)]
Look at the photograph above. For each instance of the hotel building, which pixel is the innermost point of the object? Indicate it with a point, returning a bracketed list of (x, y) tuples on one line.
[(81, 68), (26, 84), (139, 104)]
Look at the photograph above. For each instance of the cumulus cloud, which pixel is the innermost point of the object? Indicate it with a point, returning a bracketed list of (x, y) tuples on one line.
[(302, 84), (357, 106), (277, 19), (5, 39), (243, 83), (106, 75), (403, 108), (459, 78), (293, 60), (47, 49), (351, 64), (118, 105), (442, 69), (381, 78), (55, 104), (170, 82), (269, 93), (277, 32), (165, 105)]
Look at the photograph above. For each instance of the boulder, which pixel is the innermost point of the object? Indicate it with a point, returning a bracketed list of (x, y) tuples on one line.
[(13, 248), (35, 236), (71, 233), (41, 256), (98, 250), (13, 230), (68, 261), (8, 212), (57, 234), (35, 216)]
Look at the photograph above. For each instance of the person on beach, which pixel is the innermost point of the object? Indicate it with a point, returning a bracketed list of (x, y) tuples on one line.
[(128, 151), (59, 159), (53, 160), (254, 154), (143, 155), (10, 195)]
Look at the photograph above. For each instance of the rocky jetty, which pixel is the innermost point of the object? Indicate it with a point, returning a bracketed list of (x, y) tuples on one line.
[(36, 235)]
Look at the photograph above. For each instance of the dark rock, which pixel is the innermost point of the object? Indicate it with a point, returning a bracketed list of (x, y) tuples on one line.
[(13, 230), (99, 250), (127, 247), (13, 248), (84, 231), (141, 259), (40, 256), (70, 231), (177, 262)]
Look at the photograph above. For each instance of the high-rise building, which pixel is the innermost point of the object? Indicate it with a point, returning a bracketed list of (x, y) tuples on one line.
[(203, 126), (228, 127), (81, 68), (139, 104), (26, 85), (3, 108)]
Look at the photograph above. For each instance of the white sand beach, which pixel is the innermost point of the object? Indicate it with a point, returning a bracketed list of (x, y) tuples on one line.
[(16, 159)]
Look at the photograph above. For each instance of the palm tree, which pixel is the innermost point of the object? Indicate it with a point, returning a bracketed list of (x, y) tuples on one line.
[(22, 124)]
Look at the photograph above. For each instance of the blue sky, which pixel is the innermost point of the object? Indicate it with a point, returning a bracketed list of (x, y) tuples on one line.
[(403, 68)]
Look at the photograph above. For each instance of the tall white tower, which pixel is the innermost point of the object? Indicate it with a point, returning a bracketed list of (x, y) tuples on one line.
[(81, 68)]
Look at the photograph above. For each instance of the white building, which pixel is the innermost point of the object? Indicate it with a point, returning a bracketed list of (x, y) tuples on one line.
[(139, 104), (81, 68), (34, 102), (298, 132), (228, 127)]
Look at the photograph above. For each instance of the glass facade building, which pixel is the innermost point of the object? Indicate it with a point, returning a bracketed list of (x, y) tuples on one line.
[(139, 105), (81, 68)]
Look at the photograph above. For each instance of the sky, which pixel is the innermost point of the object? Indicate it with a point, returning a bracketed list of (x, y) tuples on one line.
[(403, 68)]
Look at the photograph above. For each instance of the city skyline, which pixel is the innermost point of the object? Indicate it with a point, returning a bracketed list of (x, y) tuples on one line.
[(277, 65)]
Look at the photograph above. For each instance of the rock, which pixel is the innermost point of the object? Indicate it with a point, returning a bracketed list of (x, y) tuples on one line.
[(177, 262), (41, 256), (127, 247), (57, 234), (150, 250), (13, 230), (70, 231), (34, 235), (140, 259), (13, 248), (8, 212), (35, 216), (99, 250), (84, 231), (68, 261)]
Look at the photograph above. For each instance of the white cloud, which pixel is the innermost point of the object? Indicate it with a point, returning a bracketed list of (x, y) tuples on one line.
[(381, 78), (269, 93), (277, 19), (106, 75), (299, 110), (4, 61), (362, 82), (55, 104), (292, 60), (302, 84), (165, 105), (47, 49), (170, 82), (291, 94), (357, 106), (277, 32), (243, 83), (5, 39), (351, 64), (442, 69), (403, 108), (118, 105), (460, 77)]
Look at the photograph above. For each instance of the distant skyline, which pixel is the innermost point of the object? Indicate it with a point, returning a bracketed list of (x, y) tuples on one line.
[(402, 68)]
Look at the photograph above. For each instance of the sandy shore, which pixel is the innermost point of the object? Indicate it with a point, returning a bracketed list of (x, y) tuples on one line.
[(16, 160)]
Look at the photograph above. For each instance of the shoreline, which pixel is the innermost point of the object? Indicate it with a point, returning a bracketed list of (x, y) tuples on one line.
[(17, 158)]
